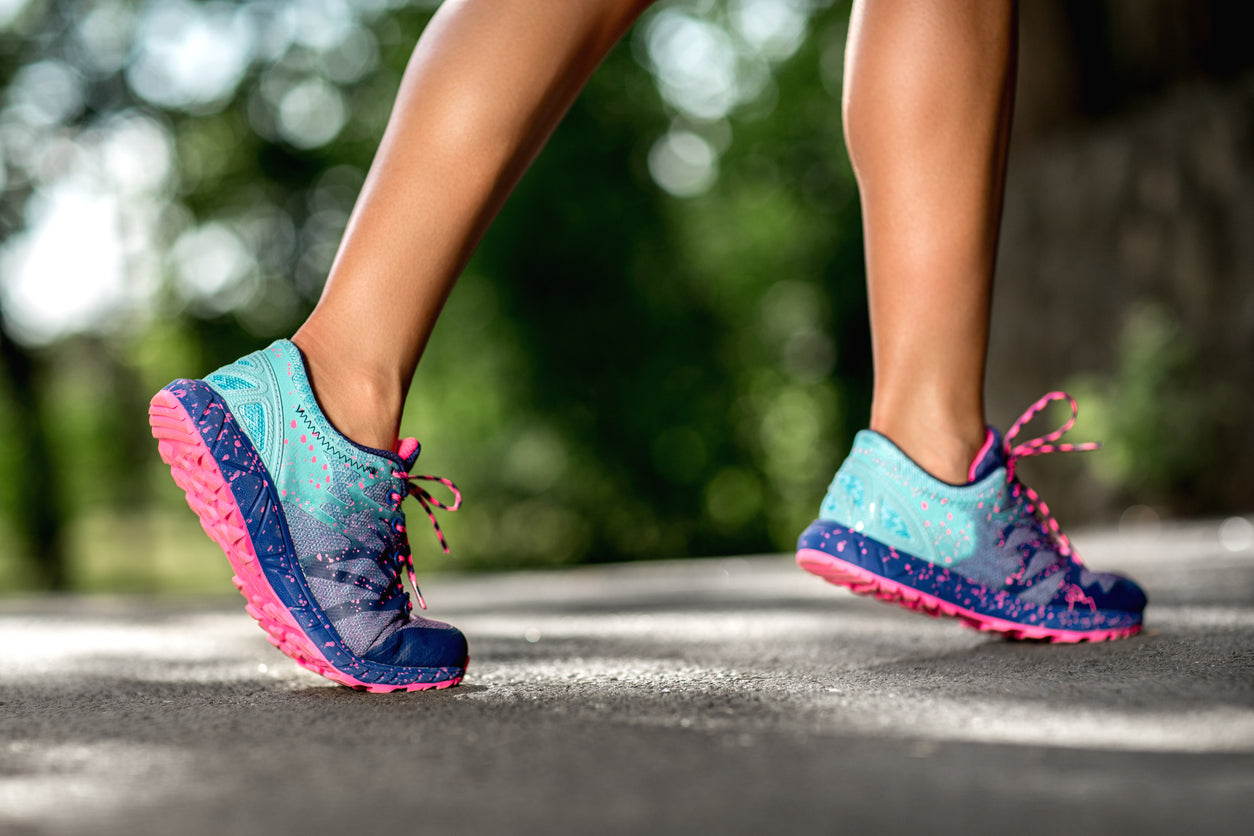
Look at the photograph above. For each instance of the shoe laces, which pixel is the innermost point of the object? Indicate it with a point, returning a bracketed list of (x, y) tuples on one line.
[(429, 504), (1039, 447)]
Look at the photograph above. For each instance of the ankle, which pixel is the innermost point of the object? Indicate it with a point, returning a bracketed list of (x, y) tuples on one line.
[(362, 403), (946, 451)]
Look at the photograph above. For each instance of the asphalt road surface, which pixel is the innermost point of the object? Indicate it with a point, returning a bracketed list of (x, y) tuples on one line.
[(722, 696)]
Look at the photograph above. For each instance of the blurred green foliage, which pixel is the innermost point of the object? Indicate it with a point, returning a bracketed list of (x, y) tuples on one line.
[(623, 371), (661, 347)]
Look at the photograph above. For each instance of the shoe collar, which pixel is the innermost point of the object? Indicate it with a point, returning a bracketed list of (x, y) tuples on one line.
[(991, 456)]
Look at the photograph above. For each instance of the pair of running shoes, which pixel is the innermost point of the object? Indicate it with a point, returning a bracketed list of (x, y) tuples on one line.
[(312, 525)]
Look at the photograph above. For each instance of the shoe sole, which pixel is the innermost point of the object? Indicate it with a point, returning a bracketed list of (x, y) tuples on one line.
[(861, 581), (196, 471)]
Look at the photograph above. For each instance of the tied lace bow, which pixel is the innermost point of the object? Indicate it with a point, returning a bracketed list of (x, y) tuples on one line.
[(429, 504), (1039, 447)]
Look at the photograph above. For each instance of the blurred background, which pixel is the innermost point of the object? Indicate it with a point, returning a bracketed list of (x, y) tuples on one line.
[(661, 348)]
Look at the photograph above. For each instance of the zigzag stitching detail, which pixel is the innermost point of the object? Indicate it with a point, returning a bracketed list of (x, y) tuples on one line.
[(331, 448)]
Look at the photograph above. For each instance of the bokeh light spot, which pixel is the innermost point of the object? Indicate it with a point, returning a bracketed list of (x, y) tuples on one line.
[(683, 163), (191, 56), (311, 113)]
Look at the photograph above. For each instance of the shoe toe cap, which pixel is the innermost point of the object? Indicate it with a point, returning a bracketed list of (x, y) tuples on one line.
[(1115, 592), (1127, 595), (422, 643)]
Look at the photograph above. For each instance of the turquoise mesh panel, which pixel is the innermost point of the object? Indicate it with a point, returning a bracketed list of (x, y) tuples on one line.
[(892, 521), (253, 417), (853, 488), (229, 383)]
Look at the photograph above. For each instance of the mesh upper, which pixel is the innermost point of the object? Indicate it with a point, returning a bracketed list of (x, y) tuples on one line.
[(982, 530), (338, 498)]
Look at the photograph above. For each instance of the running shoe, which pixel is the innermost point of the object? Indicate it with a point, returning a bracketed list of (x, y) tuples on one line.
[(310, 521), (988, 552)]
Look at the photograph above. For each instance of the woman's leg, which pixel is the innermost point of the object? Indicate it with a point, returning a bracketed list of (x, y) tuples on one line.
[(928, 93), (311, 523), (927, 103), (487, 84)]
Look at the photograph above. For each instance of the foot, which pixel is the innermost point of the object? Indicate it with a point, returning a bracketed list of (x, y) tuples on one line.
[(987, 552), (310, 521)]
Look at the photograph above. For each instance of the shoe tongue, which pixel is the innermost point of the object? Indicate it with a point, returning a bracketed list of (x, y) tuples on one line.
[(990, 457), (408, 450)]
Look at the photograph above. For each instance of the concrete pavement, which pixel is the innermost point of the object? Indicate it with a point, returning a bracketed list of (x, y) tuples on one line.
[(729, 695)]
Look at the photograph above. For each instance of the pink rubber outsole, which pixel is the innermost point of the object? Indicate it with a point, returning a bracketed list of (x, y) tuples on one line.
[(859, 580), (196, 471)]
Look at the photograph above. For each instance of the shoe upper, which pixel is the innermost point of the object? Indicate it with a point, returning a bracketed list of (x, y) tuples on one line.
[(994, 530), (342, 503)]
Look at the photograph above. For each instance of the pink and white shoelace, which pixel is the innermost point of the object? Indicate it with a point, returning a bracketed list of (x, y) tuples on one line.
[(1039, 447), (429, 504)]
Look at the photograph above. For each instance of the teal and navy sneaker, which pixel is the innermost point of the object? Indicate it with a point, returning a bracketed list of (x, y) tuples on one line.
[(988, 552), (310, 521)]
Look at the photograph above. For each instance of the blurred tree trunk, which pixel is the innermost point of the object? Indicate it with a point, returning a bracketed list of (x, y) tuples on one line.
[(37, 511), (1125, 251)]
